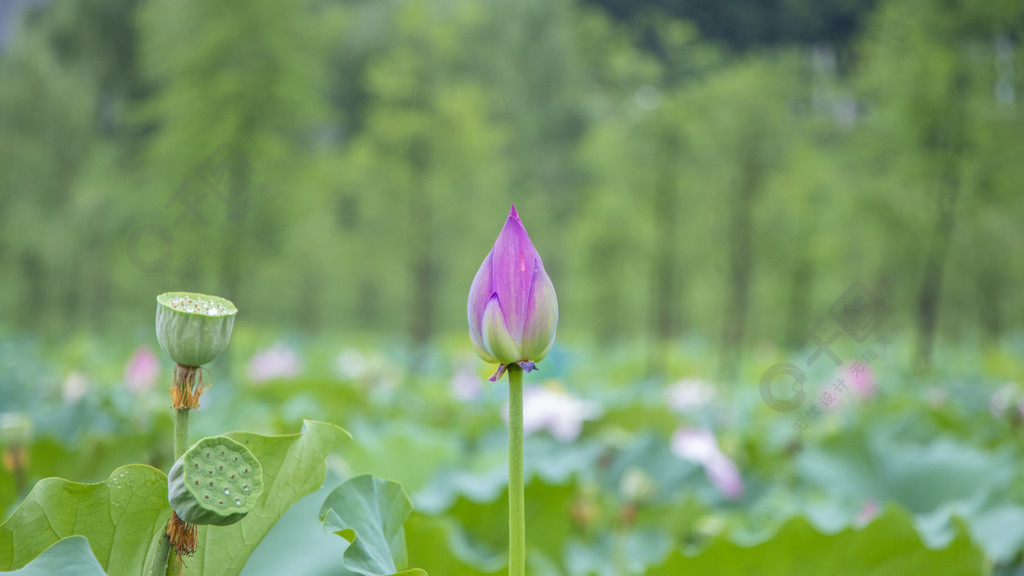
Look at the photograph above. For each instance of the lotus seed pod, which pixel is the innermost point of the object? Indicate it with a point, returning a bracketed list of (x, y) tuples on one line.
[(193, 328), (217, 481)]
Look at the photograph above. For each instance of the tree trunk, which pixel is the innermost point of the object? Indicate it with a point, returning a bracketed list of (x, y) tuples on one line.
[(421, 261), (948, 143), (800, 288), (740, 262), (664, 289)]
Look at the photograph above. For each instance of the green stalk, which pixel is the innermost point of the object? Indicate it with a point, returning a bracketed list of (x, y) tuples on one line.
[(184, 384), (516, 495), (159, 566), (180, 432)]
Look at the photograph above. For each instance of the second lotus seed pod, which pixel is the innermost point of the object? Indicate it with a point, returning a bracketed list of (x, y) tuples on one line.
[(217, 481)]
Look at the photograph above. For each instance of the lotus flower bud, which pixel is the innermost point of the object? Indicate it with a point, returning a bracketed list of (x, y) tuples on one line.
[(512, 308), (193, 328), (217, 481)]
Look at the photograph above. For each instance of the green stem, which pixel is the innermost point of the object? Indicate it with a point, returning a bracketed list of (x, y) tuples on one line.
[(180, 446), (180, 432), (516, 495), (159, 566)]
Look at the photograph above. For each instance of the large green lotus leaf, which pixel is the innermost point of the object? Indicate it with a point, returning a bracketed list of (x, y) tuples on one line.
[(369, 513), (485, 479), (122, 517), (629, 551), (298, 535), (477, 532), (293, 466), (8, 492), (880, 468), (68, 557), (440, 546), (888, 546), (404, 452)]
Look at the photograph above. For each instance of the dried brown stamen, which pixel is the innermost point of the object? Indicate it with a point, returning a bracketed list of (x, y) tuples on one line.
[(187, 386), (184, 536)]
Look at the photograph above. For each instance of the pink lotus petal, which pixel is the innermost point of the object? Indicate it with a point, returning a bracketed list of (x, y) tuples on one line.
[(724, 474), (541, 316), (512, 271), (700, 447), (512, 307), (480, 293), (863, 382), (867, 512)]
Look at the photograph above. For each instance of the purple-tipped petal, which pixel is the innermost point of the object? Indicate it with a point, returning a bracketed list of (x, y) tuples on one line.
[(498, 373), (512, 271), (723, 473), (541, 316), (512, 309), (479, 293), (498, 339), (481, 351), (528, 366)]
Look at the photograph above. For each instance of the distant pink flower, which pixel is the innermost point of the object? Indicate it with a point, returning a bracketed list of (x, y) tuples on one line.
[(701, 447), (861, 380), (867, 512), (141, 370), (279, 362), (556, 411)]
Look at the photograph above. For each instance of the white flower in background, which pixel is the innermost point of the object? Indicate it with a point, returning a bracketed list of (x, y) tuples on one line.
[(689, 394), (936, 396), (637, 485), (557, 411), (701, 447), (351, 364), (74, 388), (466, 385), (275, 363), (1004, 396), (141, 370)]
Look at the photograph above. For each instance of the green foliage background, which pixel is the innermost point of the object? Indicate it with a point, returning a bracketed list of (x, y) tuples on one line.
[(678, 185)]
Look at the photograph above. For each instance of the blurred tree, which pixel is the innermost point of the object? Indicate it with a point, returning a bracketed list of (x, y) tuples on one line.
[(427, 154), (751, 24), (920, 75), (677, 191), (235, 93), (742, 120), (47, 124)]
